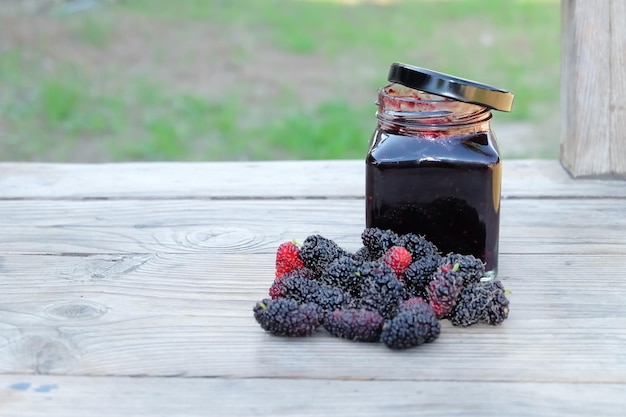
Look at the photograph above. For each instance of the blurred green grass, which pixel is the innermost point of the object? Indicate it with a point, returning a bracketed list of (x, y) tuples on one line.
[(51, 113)]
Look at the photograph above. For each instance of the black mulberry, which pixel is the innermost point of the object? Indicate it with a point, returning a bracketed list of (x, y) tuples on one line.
[(470, 268), (417, 245), (382, 290), (352, 324), (483, 302), (283, 317), (419, 274), (363, 255), (276, 288), (414, 325), (378, 241), (317, 252), (344, 273), (304, 290)]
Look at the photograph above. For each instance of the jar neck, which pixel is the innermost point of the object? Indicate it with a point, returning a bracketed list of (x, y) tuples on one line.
[(403, 108)]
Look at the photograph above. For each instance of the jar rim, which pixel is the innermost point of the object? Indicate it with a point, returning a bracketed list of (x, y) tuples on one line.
[(419, 96), (398, 103)]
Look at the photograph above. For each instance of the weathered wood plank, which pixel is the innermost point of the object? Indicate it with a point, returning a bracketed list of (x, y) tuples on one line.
[(241, 226), (593, 87), (285, 179), (618, 84), (38, 396), (548, 179), (84, 316)]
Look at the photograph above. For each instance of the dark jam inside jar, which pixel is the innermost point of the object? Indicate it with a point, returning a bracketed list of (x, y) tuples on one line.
[(435, 173)]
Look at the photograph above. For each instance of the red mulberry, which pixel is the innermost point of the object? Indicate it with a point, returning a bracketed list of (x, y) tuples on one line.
[(287, 258), (443, 291), (398, 258)]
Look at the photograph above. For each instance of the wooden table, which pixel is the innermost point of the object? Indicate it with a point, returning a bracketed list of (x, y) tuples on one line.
[(127, 290)]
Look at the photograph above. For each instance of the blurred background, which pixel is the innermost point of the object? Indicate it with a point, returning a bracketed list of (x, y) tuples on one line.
[(199, 80)]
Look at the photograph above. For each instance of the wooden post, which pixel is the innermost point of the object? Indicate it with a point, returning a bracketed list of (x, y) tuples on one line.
[(593, 87)]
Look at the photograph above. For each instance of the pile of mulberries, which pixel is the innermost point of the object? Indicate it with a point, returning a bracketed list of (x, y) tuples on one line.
[(395, 289)]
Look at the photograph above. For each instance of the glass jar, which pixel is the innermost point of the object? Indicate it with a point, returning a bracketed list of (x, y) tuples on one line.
[(433, 166)]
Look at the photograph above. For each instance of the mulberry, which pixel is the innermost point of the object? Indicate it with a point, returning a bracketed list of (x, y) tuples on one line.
[(415, 324), (276, 288), (443, 291), (470, 268), (413, 302), (287, 258), (344, 273), (283, 317), (304, 290), (417, 245), (419, 274), (398, 258), (363, 255), (378, 241), (317, 252), (352, 324), (394, 289), (483, 302), (382, 291)]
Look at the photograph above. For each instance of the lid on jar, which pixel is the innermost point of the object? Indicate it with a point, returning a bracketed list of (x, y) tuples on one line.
[(451, 87)]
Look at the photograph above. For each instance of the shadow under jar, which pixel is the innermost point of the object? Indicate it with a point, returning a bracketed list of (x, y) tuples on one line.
[(434, 169)]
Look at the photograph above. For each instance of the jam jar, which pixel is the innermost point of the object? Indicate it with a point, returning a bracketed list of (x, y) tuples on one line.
[(433, 167)]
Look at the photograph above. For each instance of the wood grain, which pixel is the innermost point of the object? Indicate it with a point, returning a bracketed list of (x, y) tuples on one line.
[(618, 85), (250, 226), (593, 87), (258, 180), (39, 396)]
